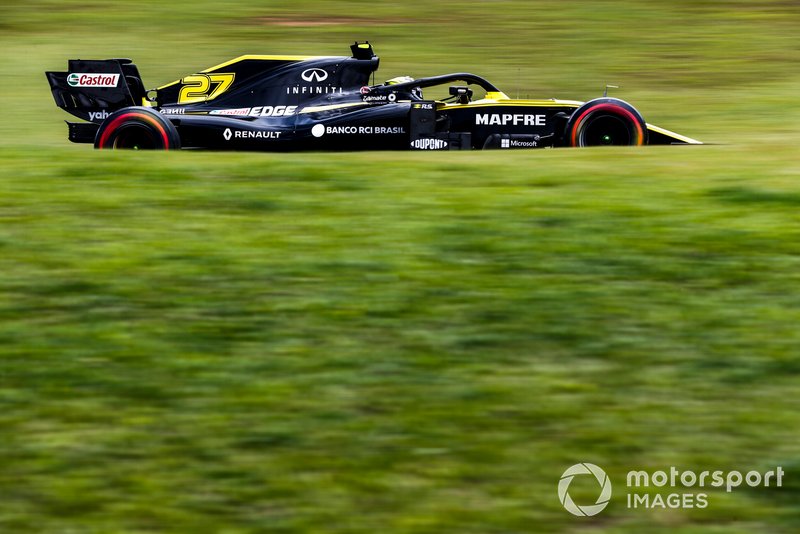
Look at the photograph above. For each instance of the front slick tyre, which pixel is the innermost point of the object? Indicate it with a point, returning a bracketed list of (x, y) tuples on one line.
[(606, 121), (137, 128)]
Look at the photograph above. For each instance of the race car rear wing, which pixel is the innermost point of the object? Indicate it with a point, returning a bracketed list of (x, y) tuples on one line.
[(93, 89)]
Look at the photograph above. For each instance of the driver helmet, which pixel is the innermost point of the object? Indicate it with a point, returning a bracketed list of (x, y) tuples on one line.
[(399, 79)]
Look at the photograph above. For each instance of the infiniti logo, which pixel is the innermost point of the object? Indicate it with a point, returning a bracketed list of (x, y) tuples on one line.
[(314, 75)]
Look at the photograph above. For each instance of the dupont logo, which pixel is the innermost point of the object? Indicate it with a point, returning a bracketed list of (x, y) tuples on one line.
[(314, 75), (602, 480), (80, 79), (428, 144)]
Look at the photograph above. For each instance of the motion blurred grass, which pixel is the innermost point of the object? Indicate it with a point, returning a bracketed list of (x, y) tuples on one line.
[(199, 342)]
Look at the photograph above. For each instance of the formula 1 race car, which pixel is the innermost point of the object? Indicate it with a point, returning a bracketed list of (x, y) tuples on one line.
[(328, 103)]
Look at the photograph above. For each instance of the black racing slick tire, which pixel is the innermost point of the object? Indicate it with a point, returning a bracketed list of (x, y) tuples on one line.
[(606, 122), (137, 128)]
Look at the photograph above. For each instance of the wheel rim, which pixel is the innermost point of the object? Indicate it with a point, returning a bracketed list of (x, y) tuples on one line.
[(135, 137), (607, 130)]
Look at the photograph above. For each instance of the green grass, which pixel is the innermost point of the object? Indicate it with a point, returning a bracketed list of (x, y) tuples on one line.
[(397, 342)]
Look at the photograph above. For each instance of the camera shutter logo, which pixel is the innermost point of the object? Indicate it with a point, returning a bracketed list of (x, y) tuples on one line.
[(314, 75), (566, 480)]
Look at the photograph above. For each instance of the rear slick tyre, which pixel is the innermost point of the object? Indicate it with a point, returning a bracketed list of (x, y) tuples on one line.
[(606, 122), (137, 128)]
